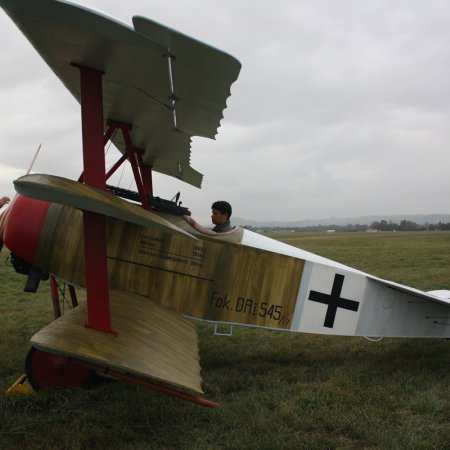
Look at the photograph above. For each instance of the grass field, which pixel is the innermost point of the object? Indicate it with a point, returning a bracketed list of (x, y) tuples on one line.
[(277, 390)]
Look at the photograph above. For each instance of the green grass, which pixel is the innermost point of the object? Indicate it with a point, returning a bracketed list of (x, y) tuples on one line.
[(277, 390), (418, 259)]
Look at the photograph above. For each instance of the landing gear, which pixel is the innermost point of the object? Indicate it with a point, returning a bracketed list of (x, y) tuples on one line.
[(49, 371)]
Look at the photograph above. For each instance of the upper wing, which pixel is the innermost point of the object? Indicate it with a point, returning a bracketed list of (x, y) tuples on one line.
[(168, 86)]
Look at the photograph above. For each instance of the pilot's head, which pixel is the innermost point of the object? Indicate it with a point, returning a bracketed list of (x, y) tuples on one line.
[(221, 212)]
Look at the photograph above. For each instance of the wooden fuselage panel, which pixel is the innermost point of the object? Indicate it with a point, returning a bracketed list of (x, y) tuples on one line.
[(206, 278)]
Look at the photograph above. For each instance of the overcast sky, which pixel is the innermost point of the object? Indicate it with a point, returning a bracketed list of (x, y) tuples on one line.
[(342, 107)]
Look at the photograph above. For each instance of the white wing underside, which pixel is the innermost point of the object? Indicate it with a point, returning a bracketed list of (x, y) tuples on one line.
[(165, 84)]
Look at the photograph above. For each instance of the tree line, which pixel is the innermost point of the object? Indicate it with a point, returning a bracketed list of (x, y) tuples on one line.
[(382, 225), (408, 225)]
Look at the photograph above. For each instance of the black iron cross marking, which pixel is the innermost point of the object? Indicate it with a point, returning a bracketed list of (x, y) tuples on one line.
[(333, 300)]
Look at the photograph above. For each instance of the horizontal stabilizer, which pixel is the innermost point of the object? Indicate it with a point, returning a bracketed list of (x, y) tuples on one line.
[(442, 294), (432, 296), (82, 196), (152, 342)]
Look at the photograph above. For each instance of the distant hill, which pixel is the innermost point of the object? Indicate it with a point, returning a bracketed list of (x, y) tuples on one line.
[(420, 219)]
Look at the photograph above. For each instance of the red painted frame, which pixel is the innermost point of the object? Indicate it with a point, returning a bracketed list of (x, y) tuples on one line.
[(94, 174), (94, 225)]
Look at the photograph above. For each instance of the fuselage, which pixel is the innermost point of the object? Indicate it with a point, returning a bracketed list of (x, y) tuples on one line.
[(239, 278)]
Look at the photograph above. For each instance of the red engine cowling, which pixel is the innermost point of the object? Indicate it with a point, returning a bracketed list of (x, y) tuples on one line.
[(24, 225)]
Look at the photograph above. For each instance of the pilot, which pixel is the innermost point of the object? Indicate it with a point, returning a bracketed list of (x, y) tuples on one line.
[(4, 201), (220, 217)]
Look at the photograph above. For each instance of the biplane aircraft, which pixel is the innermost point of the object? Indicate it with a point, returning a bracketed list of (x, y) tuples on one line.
[(147, 266)]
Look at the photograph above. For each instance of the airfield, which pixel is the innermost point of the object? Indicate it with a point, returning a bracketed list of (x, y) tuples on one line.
[(277, 390)]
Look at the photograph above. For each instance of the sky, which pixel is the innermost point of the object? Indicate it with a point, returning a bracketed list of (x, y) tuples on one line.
[(341, 109)]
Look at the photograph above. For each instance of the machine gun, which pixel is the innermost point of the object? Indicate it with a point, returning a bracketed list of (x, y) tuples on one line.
[(157, 203)]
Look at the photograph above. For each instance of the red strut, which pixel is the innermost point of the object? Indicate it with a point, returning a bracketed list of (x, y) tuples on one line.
[(94, 224)]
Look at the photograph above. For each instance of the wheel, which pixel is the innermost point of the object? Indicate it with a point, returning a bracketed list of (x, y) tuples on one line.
[(49, 371)]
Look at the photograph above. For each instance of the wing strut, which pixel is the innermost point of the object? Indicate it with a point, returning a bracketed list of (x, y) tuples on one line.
[(142, 172), (94, 225)]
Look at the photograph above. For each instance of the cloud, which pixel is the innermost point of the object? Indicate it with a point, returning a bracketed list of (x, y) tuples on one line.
[(341, 107)]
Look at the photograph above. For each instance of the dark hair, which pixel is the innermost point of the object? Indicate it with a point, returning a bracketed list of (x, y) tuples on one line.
[(223, 207)]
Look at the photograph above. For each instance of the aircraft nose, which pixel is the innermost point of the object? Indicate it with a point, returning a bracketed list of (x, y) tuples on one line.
[(24, 225)]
